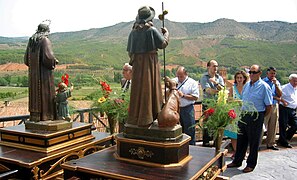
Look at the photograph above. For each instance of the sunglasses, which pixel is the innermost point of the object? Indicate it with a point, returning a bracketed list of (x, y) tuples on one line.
[(254, 72)]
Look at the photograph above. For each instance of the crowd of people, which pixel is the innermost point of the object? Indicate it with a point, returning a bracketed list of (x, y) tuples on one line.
[(273, 102), (263, 94)]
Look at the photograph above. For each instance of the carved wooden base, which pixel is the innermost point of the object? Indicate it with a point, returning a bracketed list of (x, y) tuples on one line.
[(37, 165), (155, 154), (153, 133), (42, 140)]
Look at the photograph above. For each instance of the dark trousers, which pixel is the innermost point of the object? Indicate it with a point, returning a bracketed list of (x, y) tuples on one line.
[(250, 129), (187, 121), (287, 116)]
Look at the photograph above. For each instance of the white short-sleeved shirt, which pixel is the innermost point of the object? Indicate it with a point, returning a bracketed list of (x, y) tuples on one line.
[(189, 86)]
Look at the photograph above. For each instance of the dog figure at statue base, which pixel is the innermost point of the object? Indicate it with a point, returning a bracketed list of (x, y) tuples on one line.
[(169, 115)]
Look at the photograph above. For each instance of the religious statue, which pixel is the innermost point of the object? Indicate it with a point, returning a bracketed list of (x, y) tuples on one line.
[(40, 59), (63, 94), (146, 93)]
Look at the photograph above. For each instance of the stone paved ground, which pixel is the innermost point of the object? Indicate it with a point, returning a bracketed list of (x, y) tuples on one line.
[(281, 165)]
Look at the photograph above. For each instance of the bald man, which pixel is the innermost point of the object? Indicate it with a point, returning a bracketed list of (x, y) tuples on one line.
[(127, 76), (211, 83), (189, 93)]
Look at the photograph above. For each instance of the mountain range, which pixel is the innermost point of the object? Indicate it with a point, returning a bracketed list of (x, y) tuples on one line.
[(267, 30), (232, 43)]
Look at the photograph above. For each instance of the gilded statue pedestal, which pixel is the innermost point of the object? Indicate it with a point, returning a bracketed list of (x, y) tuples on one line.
[(38, 154), (153, 146), (44, 140)]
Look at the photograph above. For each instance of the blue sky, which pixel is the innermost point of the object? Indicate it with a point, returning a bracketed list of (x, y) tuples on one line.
[(21, 17)]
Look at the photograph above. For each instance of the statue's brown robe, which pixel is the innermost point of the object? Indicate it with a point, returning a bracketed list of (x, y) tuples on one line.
[(41, 62), (146, 92)]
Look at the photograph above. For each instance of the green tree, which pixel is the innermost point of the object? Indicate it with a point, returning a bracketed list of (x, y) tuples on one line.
[(3, 82), (117, 77), (8, 78)]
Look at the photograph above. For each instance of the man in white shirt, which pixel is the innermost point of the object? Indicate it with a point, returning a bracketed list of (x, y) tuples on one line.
[(189, 93), (287, 112), (127, 74)]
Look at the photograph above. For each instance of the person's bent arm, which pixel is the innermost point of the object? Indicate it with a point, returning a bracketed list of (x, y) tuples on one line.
[(189, 97), (211, 91)]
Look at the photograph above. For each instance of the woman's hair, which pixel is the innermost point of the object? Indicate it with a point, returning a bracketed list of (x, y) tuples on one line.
[(244, 74)]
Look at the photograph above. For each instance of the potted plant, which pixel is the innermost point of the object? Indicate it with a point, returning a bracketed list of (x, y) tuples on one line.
[(220, 113), (113, 103)]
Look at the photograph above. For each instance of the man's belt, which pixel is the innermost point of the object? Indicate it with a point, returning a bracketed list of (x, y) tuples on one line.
[(288, 107), (187, 106)]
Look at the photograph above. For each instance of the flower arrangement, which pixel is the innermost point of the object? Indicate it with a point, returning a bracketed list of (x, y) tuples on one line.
[(113, 103), (220, 113)]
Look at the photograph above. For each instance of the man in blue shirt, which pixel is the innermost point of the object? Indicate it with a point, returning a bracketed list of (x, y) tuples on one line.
[(271, 119), (257, 103)]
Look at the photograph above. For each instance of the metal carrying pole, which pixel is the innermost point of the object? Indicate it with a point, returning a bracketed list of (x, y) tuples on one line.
[(162, 18)]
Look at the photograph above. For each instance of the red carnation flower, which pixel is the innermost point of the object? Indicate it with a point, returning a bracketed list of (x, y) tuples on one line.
[(105, 86), (209, 112), (65, 78), (232, 114)]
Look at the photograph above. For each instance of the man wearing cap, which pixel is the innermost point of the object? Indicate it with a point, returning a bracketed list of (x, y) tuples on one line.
[(40, 59), (146, 93)]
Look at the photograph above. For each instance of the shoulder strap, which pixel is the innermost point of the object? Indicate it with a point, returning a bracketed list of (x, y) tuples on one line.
[(182, 83)]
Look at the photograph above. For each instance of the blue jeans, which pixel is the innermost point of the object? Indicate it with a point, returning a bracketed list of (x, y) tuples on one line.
[(187, 121)]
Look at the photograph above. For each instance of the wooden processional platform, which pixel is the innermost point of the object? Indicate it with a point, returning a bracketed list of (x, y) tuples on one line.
[(148, 153), (38, 153), (104, 165)]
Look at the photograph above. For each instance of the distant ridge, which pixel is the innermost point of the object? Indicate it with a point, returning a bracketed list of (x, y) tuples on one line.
[(266, 30), (234, 44)]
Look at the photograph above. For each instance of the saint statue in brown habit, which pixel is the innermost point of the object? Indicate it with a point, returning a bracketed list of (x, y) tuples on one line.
[(41, 61)]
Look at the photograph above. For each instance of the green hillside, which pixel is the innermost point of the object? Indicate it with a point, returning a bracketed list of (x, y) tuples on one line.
[(233, 44)]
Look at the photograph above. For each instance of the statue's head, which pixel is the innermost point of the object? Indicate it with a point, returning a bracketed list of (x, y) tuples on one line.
[(43, 28), (145, 13), (62, 86)]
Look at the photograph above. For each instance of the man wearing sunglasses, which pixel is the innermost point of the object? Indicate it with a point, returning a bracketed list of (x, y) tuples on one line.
[(257, 102)]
